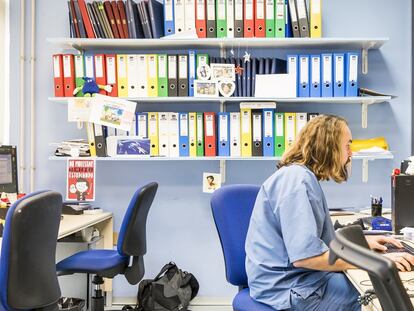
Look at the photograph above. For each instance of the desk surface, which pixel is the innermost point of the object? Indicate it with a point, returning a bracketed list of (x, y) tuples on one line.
[(74, 223)]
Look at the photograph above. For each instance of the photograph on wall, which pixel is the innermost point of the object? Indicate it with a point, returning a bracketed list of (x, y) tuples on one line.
[(211, 182), (80, 180)]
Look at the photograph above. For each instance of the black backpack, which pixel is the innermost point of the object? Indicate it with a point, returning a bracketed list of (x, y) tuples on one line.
[(171, 290)]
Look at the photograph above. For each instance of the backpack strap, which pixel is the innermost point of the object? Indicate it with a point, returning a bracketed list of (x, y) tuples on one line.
[(164, 269)]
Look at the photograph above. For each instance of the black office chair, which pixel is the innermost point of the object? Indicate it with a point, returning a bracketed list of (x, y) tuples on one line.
[(28, 277), (351, 246), (131, 244)]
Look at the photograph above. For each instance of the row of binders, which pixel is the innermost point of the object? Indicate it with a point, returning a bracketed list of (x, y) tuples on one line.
[(250, 132), (325, 75), (151, 75), (116, 19)]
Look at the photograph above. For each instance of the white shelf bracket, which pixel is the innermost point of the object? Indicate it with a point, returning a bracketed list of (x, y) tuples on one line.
[(223, 171), (364, 64), (365, 170), (364, 115)]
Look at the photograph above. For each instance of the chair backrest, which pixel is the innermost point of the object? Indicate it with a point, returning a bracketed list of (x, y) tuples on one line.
[(351, 245), (28, 277), (232, 208)]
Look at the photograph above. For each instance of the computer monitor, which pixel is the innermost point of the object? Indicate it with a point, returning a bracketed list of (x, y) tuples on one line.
[(8, 169)]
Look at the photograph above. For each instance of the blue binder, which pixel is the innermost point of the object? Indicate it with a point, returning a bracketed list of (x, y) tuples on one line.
[(326, 75), (156, 16), (254, 69), (268, 130), (293, 68), (315, 76), (304, 76), (288, 22), (249, 79), (223, 137), (351, 74), (192, 71), (184, 150), (339, 75), (239, 79), (244, 78), (169, 27)]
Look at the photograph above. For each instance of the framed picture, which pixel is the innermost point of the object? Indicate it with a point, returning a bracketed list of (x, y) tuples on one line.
[(223, 72), (205, 88), (203, 72)]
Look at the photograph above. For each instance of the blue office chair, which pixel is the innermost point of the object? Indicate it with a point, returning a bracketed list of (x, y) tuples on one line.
[(232, 208), (28, 277), (131, 245)]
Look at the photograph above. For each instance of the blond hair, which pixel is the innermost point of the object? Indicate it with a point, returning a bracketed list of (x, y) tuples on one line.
[(318, 147)]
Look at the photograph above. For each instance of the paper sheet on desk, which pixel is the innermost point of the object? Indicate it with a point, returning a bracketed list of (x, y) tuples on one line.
[(275, 85)]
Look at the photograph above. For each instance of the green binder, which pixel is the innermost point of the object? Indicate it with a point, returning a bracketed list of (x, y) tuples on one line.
[(280, 16), (79, 73), (200, 134), (202, 59), (162, 75), (221, 16), (270, 18), (279, 134)]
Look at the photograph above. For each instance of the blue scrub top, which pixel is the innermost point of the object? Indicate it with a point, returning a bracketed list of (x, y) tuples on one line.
[(290, 222)]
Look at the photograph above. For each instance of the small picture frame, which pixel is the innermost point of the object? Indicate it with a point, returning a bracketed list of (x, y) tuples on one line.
[(205, 88), (221, 72), (226, 88), (203, 72)]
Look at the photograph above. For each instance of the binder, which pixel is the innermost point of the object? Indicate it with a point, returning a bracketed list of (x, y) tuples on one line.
[(248, 24), (239, 82), (144, 18), (288, 21), (111, 18), (133, 75), (132, 29), (270, 18), (248, 78), (210, 136), (100, 71), (192, 134), (223, 134), (122, 13), (100, 141), (200, 22), (302, 18), (230, 18), (134, 127), (257, 139), (211, 18), (142, 79), (259, 19), (301, 120), (238, 19), (163, 136), (253, 65), (68, 75), (155, 14), (315, 90), (280, 18), (79, 73), (246, 132), (290, 129), (221, 25), (169, 27), (326, 75), (235, 150), (162, 75), (153, 132), (268, 133), (244, 78), (90, 133), (101, 29), (184, 150), (304, 76), (179, 16), (202, 59), (191, 72), (152, 75), (200, 134), (58, 75), (121, 61), (85, 18), (294, 18), (142, 125), (173, 135), (312, 115), (183, 75), (111, 72), (172, 76), (74, 19), (316, 18), (339, 75), (139, 23), (189, 15), (293, 69), (118, 20), (279, 134), (89, 65), (351, 75), (100, 12)]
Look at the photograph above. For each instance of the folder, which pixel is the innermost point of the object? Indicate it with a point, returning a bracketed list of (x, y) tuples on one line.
[(257, 139), (326, 75), (270, 18), (192, 72), (162, 75), (179, 16), (189, 15), (134, 126), (230, 18), (152, 75), (302, 18), (200, 22), (132, 29), (211, 18), (312, 115), (169, 27), (122, 13), (183, 75), (316, 18), (142, 79), (304, 76), (118, 19), (192, 134), (100, 71), (210, 136), (68, 74), (90, 133), (244, 78), (268, 133), (142, 124), (85, 18), (76, 23), (259, 19), (144, 19), (248, 78), (221, 25), (288, 21), (253, 66), (184, 150), (235, 150), (173, 135), (79, 74), (301, 120), (111, 17), (202, 59), (294, 18), (315, 89), (239, 82), (246, 132), (293, 69), (163, 136), (100, 12), (155, 14), (172, 76), (200, 134), (133, 75), (238, 19), (280, 17), (248, 24), (339, 75), (111, 71), (121, 62), (290, 129), (223, 134), (100, 141), (58, 75), (279, 134), (89, 65), (351, 74), (153, 132)]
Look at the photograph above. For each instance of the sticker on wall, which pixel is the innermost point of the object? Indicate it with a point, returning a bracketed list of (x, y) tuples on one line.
[(80, 180), (211, 182)]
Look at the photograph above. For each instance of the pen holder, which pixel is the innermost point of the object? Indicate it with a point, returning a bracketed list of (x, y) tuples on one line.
[(376, 210)]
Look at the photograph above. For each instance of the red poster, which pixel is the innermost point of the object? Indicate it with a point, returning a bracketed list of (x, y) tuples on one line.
[(80, 180)]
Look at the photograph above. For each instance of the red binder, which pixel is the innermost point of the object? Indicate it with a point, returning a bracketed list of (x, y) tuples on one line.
[(122, 13), (100, 71), (200, 22), (58, 75), (248, 14), (111, 18), (85, 18), (111, 70), (68, 74), (117, 19), (259, 19), (210, 136)]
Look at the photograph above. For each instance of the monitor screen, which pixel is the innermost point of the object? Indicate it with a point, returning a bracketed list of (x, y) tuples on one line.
[(8, 169)]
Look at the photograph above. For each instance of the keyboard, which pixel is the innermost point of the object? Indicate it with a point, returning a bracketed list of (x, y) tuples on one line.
[(391, 248)]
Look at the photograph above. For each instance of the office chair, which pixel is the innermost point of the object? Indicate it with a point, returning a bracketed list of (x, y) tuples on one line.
[(131, 244), (351, 246), (232, 207), (28, 277)]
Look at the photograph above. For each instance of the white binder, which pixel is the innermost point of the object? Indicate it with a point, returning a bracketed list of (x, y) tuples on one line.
[(173, 134)]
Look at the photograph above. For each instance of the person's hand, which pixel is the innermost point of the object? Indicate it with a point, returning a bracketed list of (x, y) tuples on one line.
[(403, 261), (376, 242)]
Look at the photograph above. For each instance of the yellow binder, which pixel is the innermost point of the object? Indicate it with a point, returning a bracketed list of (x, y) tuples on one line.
[(91, 138), (153, 132), (152, 75), (246, 132), (122, 71), (316, 18), (290, 129), (192, 133)]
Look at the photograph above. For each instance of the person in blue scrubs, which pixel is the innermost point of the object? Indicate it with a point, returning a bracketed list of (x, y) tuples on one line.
[(290, 228)]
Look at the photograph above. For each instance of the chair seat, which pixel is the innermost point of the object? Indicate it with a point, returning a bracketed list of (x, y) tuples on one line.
[(103, 262), (243, 302)]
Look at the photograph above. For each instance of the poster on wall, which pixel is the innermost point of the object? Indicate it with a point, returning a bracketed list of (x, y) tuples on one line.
[(80, 180)]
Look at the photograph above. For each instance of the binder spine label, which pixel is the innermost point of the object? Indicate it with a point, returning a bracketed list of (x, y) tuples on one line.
[(168, 10), (327, 69), (111, 73), (211, 9), (200, 10), (316, 70), (353, 68), (316, 7), (339, 72), (221, 4), (260, 9), (269, 9), (249, 10), (223, 128), (268, 125), (238, 12)]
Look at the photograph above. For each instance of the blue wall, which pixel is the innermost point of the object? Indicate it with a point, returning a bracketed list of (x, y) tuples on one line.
[(180, 226)]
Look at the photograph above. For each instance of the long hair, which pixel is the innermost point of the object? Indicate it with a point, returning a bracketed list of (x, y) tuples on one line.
[(318, 147)]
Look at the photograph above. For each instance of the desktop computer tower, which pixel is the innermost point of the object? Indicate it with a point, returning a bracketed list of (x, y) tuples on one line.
[(402, 202)]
